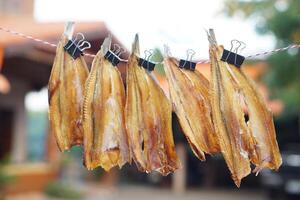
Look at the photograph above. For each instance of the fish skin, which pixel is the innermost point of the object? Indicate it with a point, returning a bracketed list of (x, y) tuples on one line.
[(234, 95), (134, 118), (105, 139), (65, 97), (189, 91), (265, 152), (148, 121), (228, 119)]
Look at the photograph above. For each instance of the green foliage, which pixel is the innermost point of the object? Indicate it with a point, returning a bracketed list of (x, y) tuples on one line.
[(280, 18), (72, 155), (4, 178), (158, 57), (62, 191)]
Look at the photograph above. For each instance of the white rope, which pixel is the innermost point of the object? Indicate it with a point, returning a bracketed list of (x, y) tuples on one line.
[(27, 37), (292, 46)]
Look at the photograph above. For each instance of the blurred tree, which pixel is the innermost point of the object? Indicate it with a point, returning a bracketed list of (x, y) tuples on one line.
[(281, 18), (58, 190), (158, 57), (5, 179)]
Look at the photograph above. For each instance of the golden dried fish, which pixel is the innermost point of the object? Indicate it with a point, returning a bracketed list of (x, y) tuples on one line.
[(229, 121), (65, 95), (105, 139), (261, 126), (240, 142), (148, 120), (189, 91)]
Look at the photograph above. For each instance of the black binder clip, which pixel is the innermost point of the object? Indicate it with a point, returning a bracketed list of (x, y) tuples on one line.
[(145, 62), (114, 56), (76, 47), (188, 64), (233, 57)]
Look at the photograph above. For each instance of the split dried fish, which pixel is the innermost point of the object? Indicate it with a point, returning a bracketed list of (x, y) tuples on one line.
[(189, 91), (148, 120), (266, 153), (105, 139), (240, 142), (65, 95)]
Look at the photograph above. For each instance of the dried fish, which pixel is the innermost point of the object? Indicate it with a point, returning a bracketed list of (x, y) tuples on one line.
[(266, 153), (105, 139), (65, 95), (189, 91), (240, 142), (148, 120)]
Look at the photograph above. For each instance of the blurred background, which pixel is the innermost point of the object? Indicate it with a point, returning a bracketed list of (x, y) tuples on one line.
[(31, 166)]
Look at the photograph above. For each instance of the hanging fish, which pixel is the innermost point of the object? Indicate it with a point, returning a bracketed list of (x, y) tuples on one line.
[(148, 120), (105, 139), (189, 91), (65, 96), (265, 153), (240, 142)]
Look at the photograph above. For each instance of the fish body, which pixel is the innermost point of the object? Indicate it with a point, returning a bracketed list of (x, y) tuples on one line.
[(148, 121), (265, 152), (105, 139), (233, 96), (65, 96), (189, 91)]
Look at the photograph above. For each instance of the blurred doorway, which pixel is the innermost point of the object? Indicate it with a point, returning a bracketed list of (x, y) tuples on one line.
[(6, 130)]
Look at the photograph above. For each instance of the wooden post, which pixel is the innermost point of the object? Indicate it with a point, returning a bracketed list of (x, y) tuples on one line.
[(15, 101), (19, 151), (179, 177), (52, 155), (110, 178)]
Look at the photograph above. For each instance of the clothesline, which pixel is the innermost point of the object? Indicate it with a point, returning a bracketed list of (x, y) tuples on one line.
[(37, 40)]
